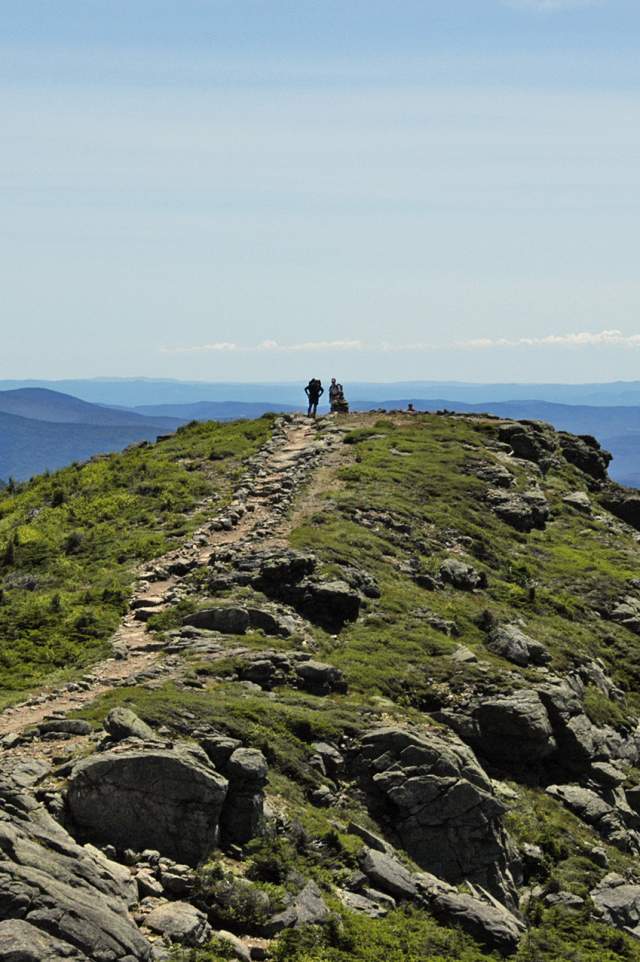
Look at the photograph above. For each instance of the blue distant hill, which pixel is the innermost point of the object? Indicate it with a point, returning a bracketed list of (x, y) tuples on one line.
[(43, 430)]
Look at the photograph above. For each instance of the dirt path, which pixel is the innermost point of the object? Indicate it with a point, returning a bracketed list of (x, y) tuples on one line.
[(274, 476)]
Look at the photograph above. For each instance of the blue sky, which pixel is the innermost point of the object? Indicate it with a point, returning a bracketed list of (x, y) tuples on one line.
[(234, 189)]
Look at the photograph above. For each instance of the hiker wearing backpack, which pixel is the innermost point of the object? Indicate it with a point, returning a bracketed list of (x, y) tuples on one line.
[(314, 391)]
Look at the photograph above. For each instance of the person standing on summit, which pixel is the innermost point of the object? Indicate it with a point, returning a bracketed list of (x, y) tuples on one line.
[(314, 391)]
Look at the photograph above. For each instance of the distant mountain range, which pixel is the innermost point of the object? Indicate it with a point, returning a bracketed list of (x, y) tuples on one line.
[(134, 392), (214, 410), (44, 429)]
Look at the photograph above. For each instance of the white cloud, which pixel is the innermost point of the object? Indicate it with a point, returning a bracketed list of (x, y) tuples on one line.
[(612, 338), (606, 338), (274, 346)]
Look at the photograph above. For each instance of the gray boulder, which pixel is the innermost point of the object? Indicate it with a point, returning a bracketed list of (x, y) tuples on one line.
[(307, 908), (229, 619), (430, 793), (580, 742), (330, 604), (22, 942), (235, 945), (64, 892), (180, 922), (522, 511), (331, 760), (618, 902), (578, 500), (385, 872), (65, 726), (319, 678), (271, 623), (123, 723), (461, 575), (489, 923), (243, 812), (513, 732), (609, 818), (585, 453), (220, 748), (168, 800), (511, 643)]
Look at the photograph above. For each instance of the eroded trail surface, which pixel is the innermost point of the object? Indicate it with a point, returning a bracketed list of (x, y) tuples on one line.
[(258, 514)]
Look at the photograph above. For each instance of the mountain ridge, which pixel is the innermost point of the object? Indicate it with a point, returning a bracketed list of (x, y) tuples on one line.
[(340, 634)]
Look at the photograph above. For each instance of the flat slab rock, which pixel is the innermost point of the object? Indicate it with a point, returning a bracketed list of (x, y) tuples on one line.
[(22, 942), (164, 799), (58, 899)]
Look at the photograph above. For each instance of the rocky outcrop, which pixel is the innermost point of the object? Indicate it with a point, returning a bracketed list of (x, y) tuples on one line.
[(486, 920), (227, 619), (165, 799), (540, 734), (271, 668), (585, 453), (606, 811), (430, 793), (307, 908), (22, 942), (512, 732), (490, 924), (288, 576), (511, 643), (59, 899), (530, 440), (618, 902), (624, 503), (524, 511), (243, 813)]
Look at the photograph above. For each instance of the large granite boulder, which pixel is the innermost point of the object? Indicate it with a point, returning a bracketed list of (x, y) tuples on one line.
[(580, 742), (511, 643), (58, 899), (512, 732), (164, 799), (430, 793), (320, 678), (462, 576)]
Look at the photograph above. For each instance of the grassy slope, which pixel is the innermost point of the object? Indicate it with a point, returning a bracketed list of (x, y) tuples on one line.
[(397, 666), (70, 542)]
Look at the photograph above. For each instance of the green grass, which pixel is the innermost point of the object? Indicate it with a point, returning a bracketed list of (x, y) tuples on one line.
[(435, 491), (70, 543)]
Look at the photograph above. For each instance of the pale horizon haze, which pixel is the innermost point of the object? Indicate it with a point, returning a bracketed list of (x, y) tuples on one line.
[(243, 190)]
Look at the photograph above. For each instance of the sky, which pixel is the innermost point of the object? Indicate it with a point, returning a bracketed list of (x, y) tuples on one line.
[(279, 189)]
